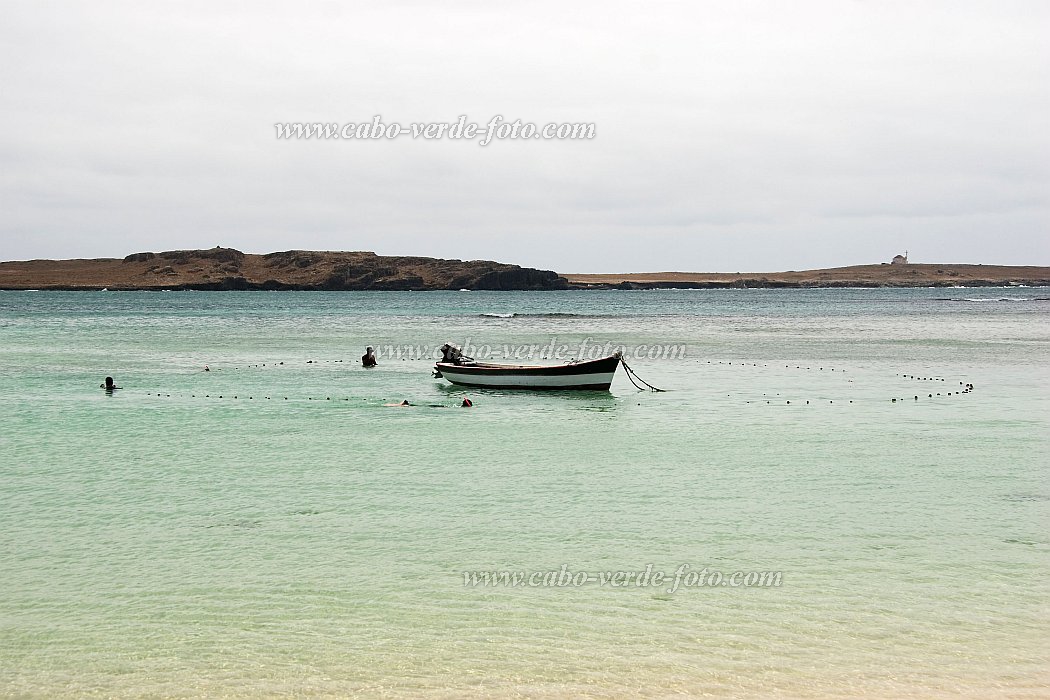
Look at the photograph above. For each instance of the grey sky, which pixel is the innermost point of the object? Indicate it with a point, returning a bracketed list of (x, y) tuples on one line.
[(751, 136)]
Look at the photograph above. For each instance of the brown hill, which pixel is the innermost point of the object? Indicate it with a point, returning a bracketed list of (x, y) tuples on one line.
[(227, 269), (907, 275)]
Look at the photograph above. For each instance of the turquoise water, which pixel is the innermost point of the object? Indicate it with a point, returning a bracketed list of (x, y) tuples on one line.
[(305, 539)]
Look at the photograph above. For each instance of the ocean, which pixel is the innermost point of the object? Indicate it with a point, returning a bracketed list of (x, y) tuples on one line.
[(817, 506)]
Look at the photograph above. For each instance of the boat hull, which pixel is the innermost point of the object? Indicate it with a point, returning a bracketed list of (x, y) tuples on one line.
[(595, 375)]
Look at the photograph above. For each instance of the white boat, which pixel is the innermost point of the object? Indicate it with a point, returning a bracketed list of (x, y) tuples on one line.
[(590, 374)]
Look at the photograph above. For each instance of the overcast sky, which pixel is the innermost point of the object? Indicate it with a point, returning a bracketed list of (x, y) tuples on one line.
[(729, 136)]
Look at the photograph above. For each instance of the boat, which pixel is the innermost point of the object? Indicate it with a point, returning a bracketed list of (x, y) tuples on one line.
[(595, 375)]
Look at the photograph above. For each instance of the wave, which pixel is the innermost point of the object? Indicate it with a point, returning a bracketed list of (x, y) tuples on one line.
[(976, 300), (553, 314)]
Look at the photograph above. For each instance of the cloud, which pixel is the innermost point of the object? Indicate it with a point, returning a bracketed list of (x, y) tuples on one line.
[(750, 135)]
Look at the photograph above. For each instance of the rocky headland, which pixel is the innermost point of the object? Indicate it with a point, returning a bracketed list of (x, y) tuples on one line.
[(228, 269)]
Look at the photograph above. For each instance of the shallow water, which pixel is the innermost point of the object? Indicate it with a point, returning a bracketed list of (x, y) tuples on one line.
[(302, 538)]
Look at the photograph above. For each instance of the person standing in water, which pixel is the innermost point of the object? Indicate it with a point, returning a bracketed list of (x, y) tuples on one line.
[(108, 385), (369, 358)]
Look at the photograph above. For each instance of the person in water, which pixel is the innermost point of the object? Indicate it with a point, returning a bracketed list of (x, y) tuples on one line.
[(467, 403), (108, 385), (369, 358)]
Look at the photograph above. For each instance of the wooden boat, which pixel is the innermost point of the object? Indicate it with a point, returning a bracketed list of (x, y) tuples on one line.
[(590, 374)]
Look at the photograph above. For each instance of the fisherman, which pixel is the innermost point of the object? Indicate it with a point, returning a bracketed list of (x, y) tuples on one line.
[(369, 358), (448, 354), (108, 385)]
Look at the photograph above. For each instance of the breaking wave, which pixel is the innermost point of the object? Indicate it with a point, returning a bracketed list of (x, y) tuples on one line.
[(975, 300), (547, 315)]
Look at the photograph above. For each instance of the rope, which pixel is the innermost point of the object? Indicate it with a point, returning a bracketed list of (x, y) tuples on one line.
[(632, 375), (636, 385)]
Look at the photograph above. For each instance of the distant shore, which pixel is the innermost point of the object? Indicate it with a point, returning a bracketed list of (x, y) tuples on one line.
[(885, 275), (227, 269), (222, 269)]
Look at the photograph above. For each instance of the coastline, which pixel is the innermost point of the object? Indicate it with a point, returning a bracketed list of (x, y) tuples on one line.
[(862, 276), (227, 269)]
